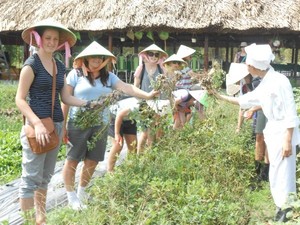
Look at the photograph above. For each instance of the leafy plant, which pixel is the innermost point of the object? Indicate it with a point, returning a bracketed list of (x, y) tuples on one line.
[(190, 176), (91, 117)]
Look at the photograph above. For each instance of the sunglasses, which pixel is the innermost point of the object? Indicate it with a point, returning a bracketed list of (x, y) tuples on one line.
[(176, 62), (151, 54)]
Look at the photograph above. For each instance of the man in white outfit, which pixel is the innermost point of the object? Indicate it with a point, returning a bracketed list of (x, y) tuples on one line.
[(275, 96)]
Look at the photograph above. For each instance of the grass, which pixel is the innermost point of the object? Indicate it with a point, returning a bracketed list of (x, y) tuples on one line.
[(192, 176), (200, 174)]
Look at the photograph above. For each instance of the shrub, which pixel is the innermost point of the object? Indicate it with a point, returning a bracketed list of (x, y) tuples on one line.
[(197, 175)]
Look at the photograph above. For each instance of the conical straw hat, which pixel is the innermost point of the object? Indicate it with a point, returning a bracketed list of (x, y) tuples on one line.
[(174, 58), (94, 49), (184, 51), (200, 96), (64, 33), (232, 89), (154, 47), (130, 103), (237, 71)]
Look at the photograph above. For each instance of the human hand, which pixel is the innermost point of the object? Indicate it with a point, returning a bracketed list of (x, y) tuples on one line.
[(286, 149), (41, 134), (248, 114), (93, 104), (153, 94), (119, 139), (65, 135)]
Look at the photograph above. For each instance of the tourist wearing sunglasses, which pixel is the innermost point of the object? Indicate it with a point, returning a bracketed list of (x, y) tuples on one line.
[(150, 66)]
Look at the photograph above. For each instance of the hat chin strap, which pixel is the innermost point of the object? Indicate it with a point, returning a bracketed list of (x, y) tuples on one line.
[(68, 52), (85, 69), (38, 40)]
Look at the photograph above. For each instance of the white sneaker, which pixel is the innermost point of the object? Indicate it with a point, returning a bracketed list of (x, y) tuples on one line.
[(75, 205), (83, 196), (74, 202)]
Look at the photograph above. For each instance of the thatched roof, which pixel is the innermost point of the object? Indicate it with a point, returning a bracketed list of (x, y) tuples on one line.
[(227, 22), (196, 16)]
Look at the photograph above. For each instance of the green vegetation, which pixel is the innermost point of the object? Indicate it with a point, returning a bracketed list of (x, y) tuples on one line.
[(11, 121), (202, 174), (10, 126), (198, 175)]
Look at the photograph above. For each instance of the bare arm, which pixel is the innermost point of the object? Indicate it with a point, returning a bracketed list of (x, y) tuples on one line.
[(287, 144), (134, 91), (240, 120), (118, 122), (230, 99), (65, 109), (251, 111), (25, 81), (137, 82), (68, 99)]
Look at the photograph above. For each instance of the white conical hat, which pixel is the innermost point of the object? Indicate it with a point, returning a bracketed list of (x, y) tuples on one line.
[(184, 51), (200, 96), (174, 58), (94, 49), (154, 47), (64, 33), (237, 71), (232, 89), (130, 103), (161, 107)]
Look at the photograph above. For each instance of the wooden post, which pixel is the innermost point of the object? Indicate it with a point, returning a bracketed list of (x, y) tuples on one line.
[(296, 61), (206, 53), (227, 63)]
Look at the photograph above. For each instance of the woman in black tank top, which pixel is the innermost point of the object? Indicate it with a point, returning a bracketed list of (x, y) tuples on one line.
[(36, 81)]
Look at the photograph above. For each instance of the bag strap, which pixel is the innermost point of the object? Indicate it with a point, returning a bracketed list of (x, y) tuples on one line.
[(142, 74), (53, 87), (53, 91)]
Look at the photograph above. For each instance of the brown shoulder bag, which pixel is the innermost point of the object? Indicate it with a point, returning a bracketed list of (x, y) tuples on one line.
[(48, 123)]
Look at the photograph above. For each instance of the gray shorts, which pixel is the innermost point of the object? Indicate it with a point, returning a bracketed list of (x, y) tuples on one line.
[(261, 121), (79, 139), (37, 169)]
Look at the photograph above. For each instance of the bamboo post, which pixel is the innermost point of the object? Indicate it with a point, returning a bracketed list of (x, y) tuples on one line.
[(206, 53), (296, 61)]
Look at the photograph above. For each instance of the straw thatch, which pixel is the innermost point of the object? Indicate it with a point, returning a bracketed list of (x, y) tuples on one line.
[(195, 16)]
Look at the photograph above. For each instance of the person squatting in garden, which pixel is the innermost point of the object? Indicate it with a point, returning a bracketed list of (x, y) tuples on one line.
[(184, 100), (121, 128), (90, 80), (275, 96)]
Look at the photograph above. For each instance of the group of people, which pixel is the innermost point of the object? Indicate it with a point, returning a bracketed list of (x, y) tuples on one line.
[(277, 135), (82, 87), (89, 79)]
